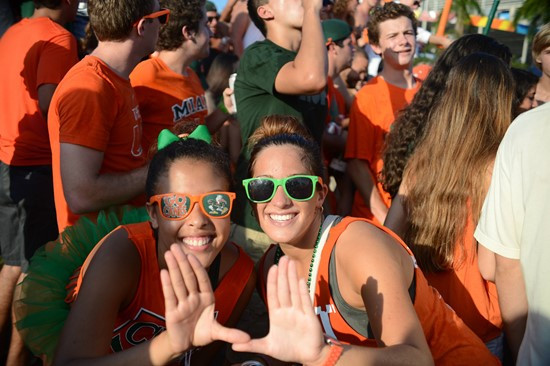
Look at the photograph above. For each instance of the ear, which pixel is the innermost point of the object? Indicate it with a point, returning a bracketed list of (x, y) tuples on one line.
[(322, 195), (140, 27), (153, 214), (264, 12), (188, 34), (332, 48), (538, 59)]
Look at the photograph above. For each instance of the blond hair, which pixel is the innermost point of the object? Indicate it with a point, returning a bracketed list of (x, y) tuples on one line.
[(446, 174)]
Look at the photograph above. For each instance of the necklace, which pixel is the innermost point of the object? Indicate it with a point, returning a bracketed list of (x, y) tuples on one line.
[(279, 253)]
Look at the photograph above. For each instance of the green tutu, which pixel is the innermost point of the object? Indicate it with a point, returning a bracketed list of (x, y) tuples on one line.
[(39, 305)]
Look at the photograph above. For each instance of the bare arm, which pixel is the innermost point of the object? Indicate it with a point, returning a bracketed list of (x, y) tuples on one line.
[(440, 41), (225, 15), (238, 29), (296, 335), (45, 93), (307, 74), (364, 181), (512, 299), (86, 190), (85, 340)]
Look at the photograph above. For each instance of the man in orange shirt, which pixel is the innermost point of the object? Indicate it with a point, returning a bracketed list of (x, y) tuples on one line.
[(167, 89), (392, 31), (94, 120), (36, 54)]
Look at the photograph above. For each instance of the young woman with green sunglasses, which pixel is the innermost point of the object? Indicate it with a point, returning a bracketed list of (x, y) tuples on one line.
[(357, 277)]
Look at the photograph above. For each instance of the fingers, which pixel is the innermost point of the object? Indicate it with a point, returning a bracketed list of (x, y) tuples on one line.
[(283, 292), (187, 271), (229, 335), (272, 300), (170, 299), (293, 285), (253, 346), (305, 299), (176, 279), (201, 275)]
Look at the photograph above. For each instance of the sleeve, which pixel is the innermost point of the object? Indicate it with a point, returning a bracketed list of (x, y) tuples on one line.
[(361, 134), (501, 220), (262, 64), (422, 35), (87, 109), (58, 56)]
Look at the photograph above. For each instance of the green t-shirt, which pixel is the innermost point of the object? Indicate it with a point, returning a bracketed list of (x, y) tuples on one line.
[(256, 98)]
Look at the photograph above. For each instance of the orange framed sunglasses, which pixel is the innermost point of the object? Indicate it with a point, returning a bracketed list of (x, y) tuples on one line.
[(162, 15), (177, 206)]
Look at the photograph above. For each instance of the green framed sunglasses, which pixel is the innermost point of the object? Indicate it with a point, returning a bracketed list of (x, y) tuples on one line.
[(296, 187)]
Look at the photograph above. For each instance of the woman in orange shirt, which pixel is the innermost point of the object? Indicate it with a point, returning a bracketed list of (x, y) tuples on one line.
[(444, 185)]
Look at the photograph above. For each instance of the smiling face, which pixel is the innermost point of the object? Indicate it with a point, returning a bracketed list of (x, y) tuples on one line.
[(282, 219), (197, 233), (397, 42)]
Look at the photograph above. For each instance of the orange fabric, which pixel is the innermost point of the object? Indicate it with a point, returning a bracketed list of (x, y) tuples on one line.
[(464, 289), (373, 111), (95, 108), (166, 97), (144, 317), (451, 342), (34, 52)]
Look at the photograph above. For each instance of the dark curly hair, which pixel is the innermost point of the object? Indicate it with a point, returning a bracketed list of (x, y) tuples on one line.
[(182, 13), (409, 126), (194, 149)]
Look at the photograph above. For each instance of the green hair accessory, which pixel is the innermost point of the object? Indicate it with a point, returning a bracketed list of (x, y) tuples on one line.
[(166, 137)]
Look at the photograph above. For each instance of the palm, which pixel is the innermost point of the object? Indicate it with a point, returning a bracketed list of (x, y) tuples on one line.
[(295, 334), (189, 305)]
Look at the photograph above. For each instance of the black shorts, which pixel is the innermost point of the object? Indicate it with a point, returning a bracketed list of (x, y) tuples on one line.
[(27, 212)]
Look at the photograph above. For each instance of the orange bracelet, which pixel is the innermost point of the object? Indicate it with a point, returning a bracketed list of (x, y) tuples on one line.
[(336, 350)]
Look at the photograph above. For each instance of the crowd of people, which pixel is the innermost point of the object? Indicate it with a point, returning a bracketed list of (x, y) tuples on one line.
[(274, 184)]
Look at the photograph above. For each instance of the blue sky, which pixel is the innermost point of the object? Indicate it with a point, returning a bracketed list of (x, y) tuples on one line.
[(219, 4)]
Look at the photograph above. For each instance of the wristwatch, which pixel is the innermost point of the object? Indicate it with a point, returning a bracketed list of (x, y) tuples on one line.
[(336, 349)]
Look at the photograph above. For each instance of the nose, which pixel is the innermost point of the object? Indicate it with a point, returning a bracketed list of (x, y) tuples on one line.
[(196, 217), (280, 199)]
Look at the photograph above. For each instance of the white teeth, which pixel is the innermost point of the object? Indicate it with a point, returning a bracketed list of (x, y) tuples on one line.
[(196, 242), (281, 217)]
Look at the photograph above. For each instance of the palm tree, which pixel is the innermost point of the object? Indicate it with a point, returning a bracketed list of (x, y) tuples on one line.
[(463, 9), (536, 11)]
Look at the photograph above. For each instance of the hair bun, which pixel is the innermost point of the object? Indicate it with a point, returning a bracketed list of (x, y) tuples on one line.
[(278, 125)]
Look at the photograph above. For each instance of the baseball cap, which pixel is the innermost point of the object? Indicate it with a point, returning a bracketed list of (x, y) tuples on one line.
[(335, 30), (210, 6)]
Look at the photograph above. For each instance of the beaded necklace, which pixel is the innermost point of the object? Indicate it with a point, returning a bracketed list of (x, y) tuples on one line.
[(279, 253)]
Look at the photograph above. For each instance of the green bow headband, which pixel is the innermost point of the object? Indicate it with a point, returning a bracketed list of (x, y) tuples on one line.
[(166, 137)]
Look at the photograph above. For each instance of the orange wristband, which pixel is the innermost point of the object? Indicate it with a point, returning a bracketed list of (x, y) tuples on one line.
[(336, 350)]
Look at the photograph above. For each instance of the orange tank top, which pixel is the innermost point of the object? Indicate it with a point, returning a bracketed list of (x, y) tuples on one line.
[(451, 342), (143, 319)]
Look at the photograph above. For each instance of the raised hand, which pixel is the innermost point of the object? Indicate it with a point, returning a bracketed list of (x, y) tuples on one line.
[(295, 334), (189, 302)]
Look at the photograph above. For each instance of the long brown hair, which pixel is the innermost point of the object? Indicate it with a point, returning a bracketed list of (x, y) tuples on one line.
[(447, 172)]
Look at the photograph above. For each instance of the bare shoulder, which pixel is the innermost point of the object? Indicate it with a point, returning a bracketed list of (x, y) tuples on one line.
[(364, 245)]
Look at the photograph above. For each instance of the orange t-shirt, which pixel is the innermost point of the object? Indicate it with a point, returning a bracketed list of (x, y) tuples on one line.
[(373, 111), (166, 97), (34, 52), (474, 299), (95, 108)]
